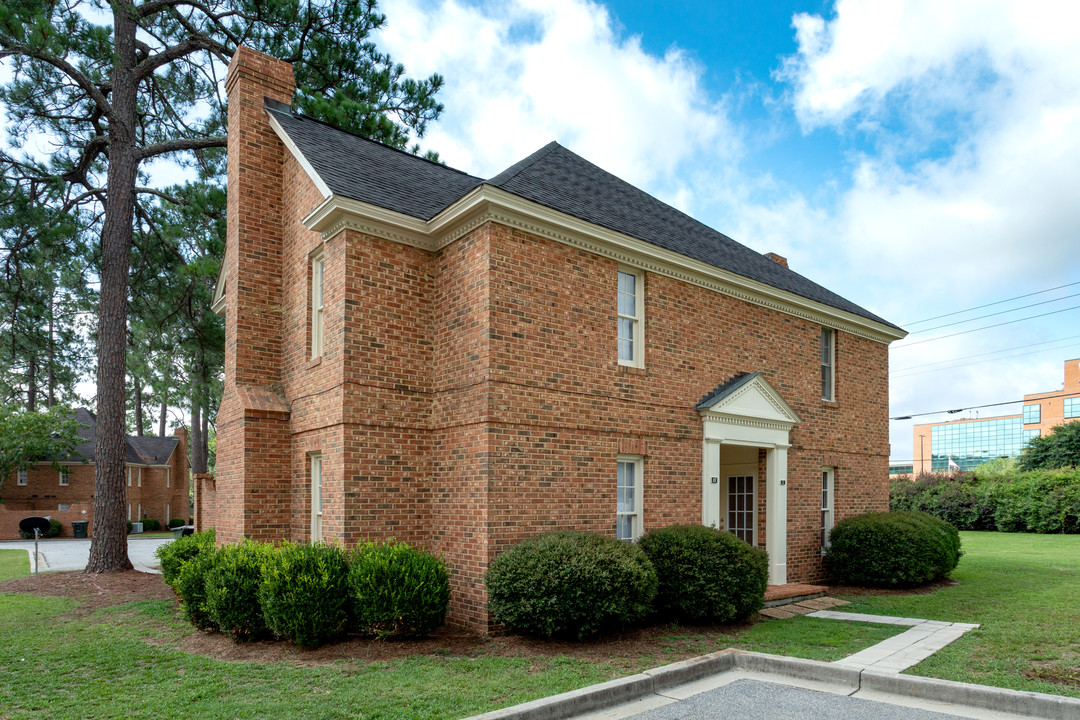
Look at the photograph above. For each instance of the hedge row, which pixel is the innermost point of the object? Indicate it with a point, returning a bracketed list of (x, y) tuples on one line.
[(308, 594), (996, 498), (893, 549), (579, 584)]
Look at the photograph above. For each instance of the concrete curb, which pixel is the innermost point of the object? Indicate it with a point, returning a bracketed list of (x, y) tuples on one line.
[(1016, 702), (623, 690)]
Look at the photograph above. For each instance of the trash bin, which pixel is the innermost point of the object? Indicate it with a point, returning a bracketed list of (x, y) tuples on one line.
[(78, 528)]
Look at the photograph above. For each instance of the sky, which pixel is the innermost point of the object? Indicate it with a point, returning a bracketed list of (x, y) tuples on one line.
[(918, 157)]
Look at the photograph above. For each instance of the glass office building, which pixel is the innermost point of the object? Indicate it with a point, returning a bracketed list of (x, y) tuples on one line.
[(969, 444)]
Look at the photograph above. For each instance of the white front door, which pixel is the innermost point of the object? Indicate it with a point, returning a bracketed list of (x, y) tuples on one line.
[(741, 514)]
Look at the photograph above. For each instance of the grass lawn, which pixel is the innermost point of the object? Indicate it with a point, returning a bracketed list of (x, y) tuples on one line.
[(13, 564), (127, 660), (1025, 592)]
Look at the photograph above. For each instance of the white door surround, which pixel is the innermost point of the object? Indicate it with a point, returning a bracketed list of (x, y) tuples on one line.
[(748, 411)]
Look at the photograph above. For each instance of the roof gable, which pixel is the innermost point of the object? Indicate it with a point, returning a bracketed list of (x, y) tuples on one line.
[(749, 397)]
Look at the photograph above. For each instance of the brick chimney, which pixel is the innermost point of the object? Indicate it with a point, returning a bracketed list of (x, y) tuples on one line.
[(253, 241), (778, 259)]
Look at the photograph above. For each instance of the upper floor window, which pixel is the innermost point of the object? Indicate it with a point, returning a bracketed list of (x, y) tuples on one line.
[(318, 267), (828, 364), (64, 477), (22, 477), (1072, 407), (628, 504), (631, 309), (1032, 414)]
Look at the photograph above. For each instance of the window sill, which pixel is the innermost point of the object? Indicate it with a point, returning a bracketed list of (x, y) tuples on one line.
[(313, 362), (631, 370), (830, 403)]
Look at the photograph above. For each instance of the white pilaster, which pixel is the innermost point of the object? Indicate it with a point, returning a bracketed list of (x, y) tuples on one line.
[(776, 513)]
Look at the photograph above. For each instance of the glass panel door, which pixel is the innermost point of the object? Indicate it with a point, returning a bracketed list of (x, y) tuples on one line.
[(740, 506)]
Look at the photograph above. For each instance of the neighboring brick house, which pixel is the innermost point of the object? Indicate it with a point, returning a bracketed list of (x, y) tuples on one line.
[(157, 482), (413, 352)]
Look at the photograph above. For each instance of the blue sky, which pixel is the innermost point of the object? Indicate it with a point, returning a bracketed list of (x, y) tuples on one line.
[(917, 157)]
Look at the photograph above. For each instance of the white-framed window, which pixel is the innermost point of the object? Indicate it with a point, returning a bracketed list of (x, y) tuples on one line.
[(139, 481), (828, 482), (318, 270), (22, 477), (628, 520), (129, 476), (129, 512), (64, 477), (828, 364), (631, 309), (63, 506), (316, 498)]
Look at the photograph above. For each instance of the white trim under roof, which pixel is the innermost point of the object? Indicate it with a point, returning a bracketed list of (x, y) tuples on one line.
[(486, 203), (319, 182)]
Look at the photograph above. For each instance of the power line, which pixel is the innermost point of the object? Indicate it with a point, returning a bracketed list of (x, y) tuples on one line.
[(999, 302), (994, 314), (977, 362), (992, 352), (977, 407), (985, 327)]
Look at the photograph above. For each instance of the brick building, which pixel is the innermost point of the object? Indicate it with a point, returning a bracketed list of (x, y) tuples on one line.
[(966, 444), (157, 482), (413, 352)]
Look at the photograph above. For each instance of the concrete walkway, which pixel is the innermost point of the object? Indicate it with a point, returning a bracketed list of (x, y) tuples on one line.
[(902, 651)]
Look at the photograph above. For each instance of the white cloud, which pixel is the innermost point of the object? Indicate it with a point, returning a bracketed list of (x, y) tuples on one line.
[(523, 73)]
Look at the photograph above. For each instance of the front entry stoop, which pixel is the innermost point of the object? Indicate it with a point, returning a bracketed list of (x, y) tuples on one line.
[(791, 593)]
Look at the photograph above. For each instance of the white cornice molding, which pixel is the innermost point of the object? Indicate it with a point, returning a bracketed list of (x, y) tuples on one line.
[(490, 204)]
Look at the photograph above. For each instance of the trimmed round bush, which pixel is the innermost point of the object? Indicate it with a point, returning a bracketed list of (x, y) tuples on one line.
[(173, 555), (893, 549), (190, 585), (304, 593), (572, 584), (705, 575), (397, 590), (150, 525), (176, 522), (232, 589)]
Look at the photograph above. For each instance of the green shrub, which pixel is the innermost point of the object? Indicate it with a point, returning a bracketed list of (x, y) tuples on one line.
[(232, 589), (150, 525), (573, 584), (190, 585), (705, 575), (173, 555), (397, 590), (1042, 501), (962, 500), (304, 593), (176, 522), (129, 527), (893, 549), (54, 530), (1059, 449)]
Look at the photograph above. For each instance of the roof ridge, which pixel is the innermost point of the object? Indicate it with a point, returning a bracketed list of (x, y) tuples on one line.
[(524, 164), (297, 114)]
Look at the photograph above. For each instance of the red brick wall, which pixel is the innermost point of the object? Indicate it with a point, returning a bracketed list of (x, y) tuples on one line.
[(469, 398)]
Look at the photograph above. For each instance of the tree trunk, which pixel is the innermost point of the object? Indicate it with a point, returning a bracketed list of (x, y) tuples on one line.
[(31, 385), (138, 407), (108, 548), (164, 399), (52, 351), (198, 462)]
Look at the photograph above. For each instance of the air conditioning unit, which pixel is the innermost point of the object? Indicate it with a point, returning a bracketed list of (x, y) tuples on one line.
[(136, 527)]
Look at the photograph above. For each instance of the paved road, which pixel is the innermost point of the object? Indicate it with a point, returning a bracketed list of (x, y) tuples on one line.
[(758, 700), (69, 554)]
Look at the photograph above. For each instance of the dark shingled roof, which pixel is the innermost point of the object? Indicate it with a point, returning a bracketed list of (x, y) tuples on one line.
[(146, 450), (371, 172), (554, 177), (724, 389)]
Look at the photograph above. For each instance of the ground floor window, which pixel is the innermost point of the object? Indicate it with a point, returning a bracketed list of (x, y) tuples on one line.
[(828, 477), (628, 505), (316, 498), (64, 477)]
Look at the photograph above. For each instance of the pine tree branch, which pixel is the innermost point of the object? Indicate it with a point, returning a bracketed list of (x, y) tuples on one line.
[(192, 44), (9, 48), (171, 146)]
